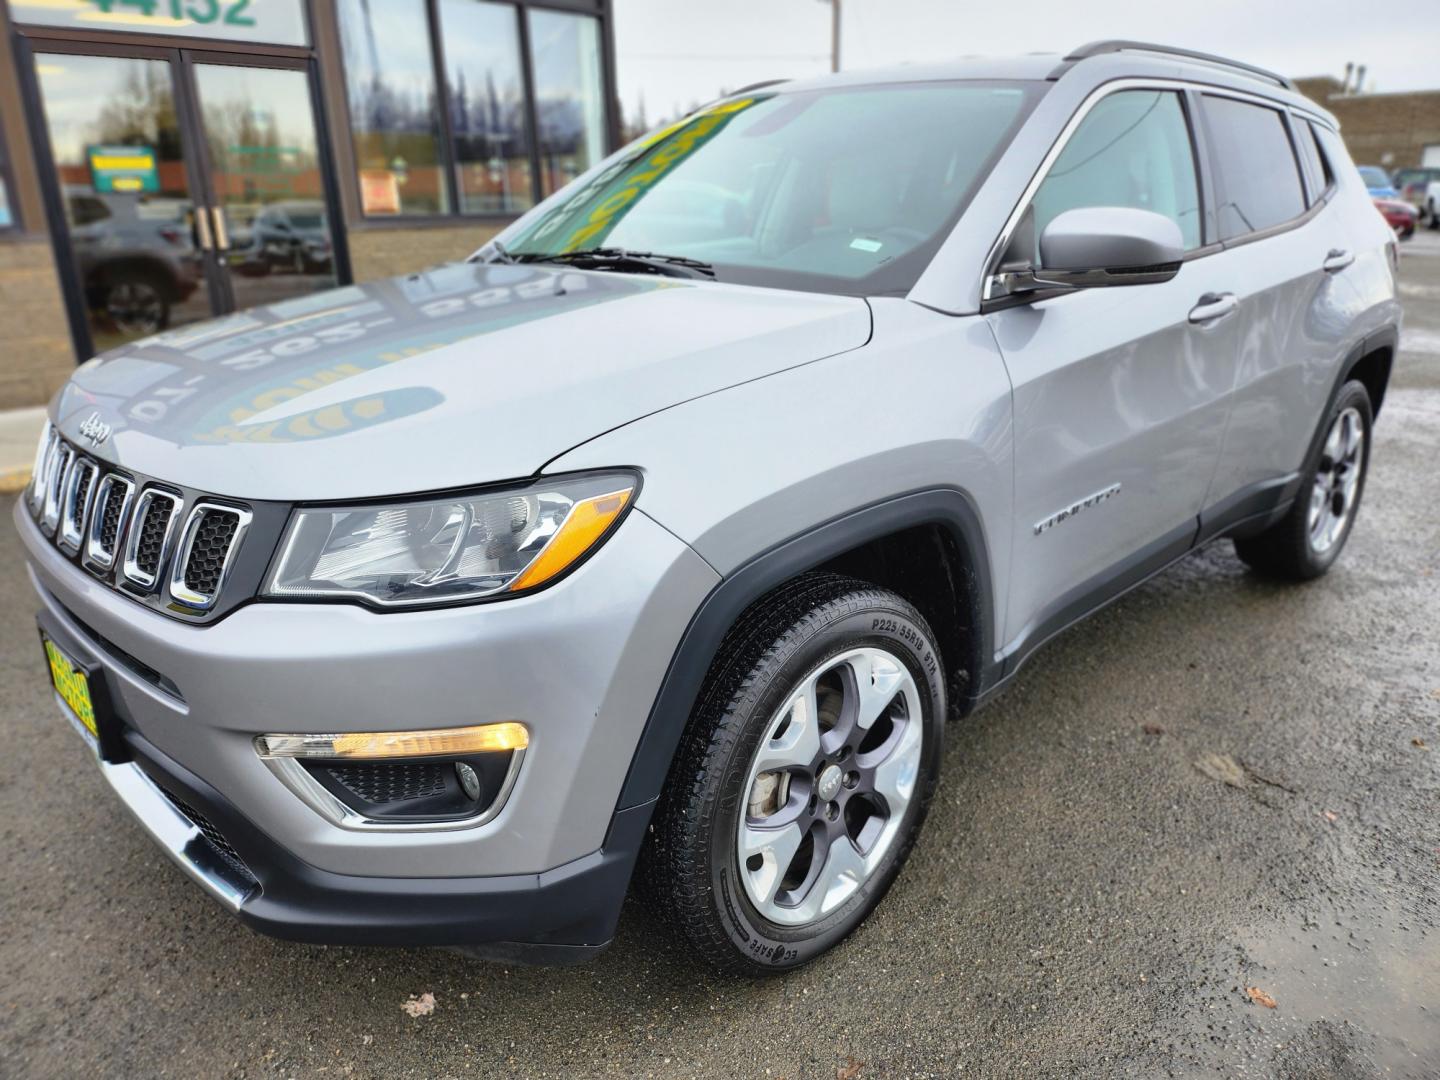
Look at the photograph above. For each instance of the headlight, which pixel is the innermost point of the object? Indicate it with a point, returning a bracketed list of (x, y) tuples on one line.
[(450, 549)]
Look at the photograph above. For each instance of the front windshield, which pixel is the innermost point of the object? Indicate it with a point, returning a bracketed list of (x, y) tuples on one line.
[(1374, 177), (847, 190)]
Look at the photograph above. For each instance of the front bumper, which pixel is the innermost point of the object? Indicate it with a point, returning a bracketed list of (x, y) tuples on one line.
[(579, 664), (558, 917)]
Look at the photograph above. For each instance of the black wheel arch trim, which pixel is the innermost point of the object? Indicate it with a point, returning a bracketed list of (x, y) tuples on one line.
[(950, 508)]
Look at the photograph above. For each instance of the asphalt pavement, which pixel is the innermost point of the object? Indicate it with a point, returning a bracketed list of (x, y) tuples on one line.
[(1218, 795)]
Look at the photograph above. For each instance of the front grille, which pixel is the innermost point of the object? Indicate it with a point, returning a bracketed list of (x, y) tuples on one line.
[(391, 783), (153, 528), (209, 547), (213, 836), (170, 550)]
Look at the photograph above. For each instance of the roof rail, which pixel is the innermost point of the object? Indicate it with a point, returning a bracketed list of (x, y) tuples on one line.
[(1099, 48)]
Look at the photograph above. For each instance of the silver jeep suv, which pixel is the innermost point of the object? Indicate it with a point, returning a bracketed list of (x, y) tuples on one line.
[(669, 529)]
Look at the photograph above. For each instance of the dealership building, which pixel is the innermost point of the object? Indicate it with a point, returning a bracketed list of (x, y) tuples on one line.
[(166, 161)]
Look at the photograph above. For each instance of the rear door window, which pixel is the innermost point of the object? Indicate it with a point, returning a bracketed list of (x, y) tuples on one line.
[(1257, 176), (1133, 150)]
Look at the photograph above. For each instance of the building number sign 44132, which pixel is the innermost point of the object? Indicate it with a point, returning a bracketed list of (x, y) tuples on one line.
[(173, 12)]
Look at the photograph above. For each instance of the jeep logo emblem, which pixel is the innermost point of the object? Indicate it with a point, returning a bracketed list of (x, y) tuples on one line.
[(94, 429)]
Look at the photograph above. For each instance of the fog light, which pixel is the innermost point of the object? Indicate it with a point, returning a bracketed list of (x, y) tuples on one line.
[(469, 780), (387, 745)]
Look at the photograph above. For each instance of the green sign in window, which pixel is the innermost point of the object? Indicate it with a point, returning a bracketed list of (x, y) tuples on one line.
[(128, 169)]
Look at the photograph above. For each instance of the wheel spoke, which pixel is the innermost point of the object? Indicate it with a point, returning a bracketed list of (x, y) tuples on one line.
[(1333, 443), (844, 872), (877, 680), (1352, 436), (799, 741), (894, 778), (776, 848)]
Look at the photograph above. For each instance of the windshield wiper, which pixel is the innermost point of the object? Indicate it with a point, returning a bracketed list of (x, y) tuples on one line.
[(622, 258)]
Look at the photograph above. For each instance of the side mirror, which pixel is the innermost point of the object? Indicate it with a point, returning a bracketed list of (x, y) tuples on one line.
[(1108, 245)]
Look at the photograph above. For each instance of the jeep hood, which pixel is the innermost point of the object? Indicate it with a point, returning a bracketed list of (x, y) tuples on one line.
[(463, 375)]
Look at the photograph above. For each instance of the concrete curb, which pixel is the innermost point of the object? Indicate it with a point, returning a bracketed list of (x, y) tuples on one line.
[(13, 481)]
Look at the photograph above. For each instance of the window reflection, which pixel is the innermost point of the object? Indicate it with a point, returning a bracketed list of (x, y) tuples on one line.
[(487, 105), (569, 101), (123, 180), (390, 83)]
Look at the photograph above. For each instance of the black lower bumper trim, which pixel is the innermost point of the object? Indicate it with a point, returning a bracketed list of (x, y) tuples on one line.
[(562, 916)]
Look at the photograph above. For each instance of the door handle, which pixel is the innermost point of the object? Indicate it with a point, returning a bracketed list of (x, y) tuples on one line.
[(202, 229), (1213, 306), (222, 236), (1337, 260)]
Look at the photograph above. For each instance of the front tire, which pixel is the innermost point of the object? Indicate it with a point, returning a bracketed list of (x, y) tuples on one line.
[(803, 778), (1308, 539)]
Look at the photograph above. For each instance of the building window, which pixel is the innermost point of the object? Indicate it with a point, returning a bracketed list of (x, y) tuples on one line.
[(488, 118), (569, 101), (438, 106), (390, 83)]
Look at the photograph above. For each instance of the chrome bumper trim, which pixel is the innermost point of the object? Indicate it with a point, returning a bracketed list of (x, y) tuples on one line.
[(177, 835)]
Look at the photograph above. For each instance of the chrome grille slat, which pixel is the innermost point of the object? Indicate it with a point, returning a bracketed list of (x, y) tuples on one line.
[(111, 506), (211, 535), (49, 439), (76, 505), (151, 536), (59, 469)]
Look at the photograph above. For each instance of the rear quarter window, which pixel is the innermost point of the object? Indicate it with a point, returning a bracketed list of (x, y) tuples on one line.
[(1257, 175)]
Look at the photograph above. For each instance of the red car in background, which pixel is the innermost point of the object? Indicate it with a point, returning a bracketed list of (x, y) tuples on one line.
[(1412, 183), (1400, 216)]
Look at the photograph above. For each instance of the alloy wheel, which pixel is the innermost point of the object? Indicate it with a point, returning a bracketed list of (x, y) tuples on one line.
[(1337, 481), (828, 788), (136, 307)]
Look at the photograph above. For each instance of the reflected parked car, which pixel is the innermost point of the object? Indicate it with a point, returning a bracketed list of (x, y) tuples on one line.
[(1412, 184), (135, 256), (1399, 215), (1377, 182), (293, 236)]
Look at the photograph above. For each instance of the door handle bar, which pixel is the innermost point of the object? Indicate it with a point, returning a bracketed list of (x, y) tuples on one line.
[(222, 235), (1337, 260), (202, 229), (1213, 306)]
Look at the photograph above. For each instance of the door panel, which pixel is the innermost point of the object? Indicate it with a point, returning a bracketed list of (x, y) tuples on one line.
[(1121, 392), (1295, 319), (1115, 391), (271, 225), (121, 171)]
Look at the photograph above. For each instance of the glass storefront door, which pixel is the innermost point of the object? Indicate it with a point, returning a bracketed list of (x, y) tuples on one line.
[(191, 184), (272, 222), (125, 185)]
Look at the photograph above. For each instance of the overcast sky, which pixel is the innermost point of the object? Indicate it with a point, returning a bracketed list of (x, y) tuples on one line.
[(679, 52)]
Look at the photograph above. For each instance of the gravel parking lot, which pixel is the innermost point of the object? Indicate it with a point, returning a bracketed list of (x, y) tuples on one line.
[(1216, 784)]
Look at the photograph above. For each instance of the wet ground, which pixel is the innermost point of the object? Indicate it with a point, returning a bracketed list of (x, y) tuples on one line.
[(1216, 795)]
